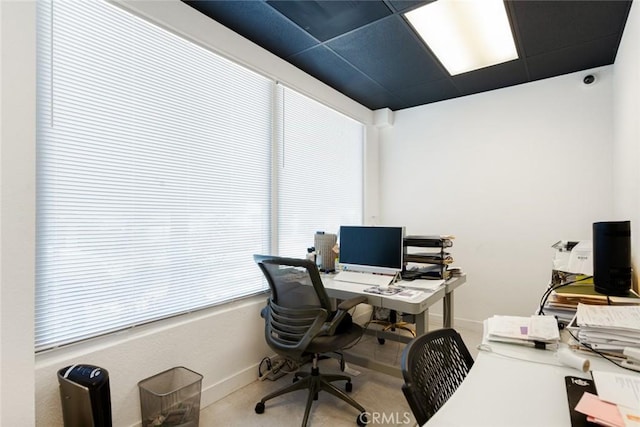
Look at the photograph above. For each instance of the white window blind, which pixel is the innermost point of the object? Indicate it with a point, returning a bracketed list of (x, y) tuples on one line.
[(320, 172), (153, 174)]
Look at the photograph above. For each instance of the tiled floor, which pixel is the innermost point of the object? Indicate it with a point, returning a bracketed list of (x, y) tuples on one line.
[(380, 394)]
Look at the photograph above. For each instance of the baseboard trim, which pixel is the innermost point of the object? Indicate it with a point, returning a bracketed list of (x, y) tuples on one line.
[(225, 387)]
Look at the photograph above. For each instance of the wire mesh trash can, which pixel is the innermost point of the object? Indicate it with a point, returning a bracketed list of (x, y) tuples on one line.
[(171, 398)]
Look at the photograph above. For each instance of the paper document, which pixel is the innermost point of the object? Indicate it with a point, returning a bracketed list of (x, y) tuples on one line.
[(543, 328), (621, 389), (609, 316), (388, 291), (409, 294), (524, 329)]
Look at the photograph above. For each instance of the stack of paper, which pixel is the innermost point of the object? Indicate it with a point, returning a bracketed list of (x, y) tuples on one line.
[(564, 301), (609, 328), (535, 330), (617, 403)]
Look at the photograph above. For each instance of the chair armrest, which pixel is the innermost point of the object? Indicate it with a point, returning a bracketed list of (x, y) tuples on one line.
[(329, 328), (352, 302)]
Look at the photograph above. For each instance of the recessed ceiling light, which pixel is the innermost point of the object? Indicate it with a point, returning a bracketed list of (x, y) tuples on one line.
[(465, 35)]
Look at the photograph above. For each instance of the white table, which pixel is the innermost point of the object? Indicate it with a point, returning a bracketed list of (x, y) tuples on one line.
[(419, 307), (521, 390)]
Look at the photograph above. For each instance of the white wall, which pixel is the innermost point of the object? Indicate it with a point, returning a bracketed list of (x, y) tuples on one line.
[(225, 343), (626, 108), (17, 213), (508, 172)]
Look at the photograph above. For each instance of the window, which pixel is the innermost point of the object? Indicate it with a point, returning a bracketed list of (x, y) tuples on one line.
[(320, 172), (155, 176)]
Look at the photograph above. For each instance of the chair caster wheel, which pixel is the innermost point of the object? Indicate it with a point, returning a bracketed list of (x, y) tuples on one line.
[(315, 396), (381, 341), (348, 387), (259, 408), (343, 365), (296, 379), (362, 419)]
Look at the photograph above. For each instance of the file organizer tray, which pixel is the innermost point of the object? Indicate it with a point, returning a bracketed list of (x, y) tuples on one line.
[(171, 398)]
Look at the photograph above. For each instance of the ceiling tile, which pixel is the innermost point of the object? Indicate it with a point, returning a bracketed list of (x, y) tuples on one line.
[(368, 51), (258, 22), (581, 57), (430, 92), (494, 77), (405, 5), (546, 26), (389, 53), (334, 71), (327, 19)]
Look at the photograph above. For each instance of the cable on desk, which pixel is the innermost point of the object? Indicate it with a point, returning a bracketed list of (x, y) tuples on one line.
[(552, 288), (599, 353)]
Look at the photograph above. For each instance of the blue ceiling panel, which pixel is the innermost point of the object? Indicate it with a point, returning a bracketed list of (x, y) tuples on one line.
[(335, 72), (546, 26), (260, 23), (368, 51), (389, 53), (430, 92), (406, 5), (327, 19), (575, 58), (498, 76)]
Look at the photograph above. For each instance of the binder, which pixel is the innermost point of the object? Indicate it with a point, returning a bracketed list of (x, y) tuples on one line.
[(575, 389)]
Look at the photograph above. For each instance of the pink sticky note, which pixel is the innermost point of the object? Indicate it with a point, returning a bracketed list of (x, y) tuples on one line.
[(606, 412)]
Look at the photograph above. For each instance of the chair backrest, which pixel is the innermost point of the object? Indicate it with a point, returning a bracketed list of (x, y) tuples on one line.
[(293, 282), (433, 366), (298, 305)]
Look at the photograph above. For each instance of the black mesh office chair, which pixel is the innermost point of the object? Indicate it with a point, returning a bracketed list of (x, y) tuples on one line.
[(300, 325), (433, 366)]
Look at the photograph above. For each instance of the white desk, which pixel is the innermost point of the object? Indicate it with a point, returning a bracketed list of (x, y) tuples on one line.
[(419, 307), (503, 392)]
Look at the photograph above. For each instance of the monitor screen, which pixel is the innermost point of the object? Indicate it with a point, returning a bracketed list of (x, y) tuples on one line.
[(371, 249)]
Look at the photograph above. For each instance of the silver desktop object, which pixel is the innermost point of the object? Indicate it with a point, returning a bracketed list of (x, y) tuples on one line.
[(325, 256)]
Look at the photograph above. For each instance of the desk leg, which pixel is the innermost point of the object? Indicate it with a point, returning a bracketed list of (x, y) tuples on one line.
[(422, 322), (447, 305)]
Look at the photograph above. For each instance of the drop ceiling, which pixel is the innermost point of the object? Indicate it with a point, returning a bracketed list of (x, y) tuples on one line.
[(369, 52)]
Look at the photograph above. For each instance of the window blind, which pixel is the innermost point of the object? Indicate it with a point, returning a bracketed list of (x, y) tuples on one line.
[(320, 171), (153, 174)]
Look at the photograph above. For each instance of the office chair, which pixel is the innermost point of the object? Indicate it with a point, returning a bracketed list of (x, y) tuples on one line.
[(301, 325), (433, 366), (391, 323)]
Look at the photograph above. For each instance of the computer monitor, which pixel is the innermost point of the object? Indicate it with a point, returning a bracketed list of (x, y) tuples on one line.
[(371, 249)]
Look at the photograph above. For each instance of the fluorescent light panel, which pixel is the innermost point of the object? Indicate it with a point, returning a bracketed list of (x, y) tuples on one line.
[(465, 35)]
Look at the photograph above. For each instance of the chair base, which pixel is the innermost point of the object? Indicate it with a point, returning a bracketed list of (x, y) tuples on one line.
[(392, 324), (315, 382), (389, 326)]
